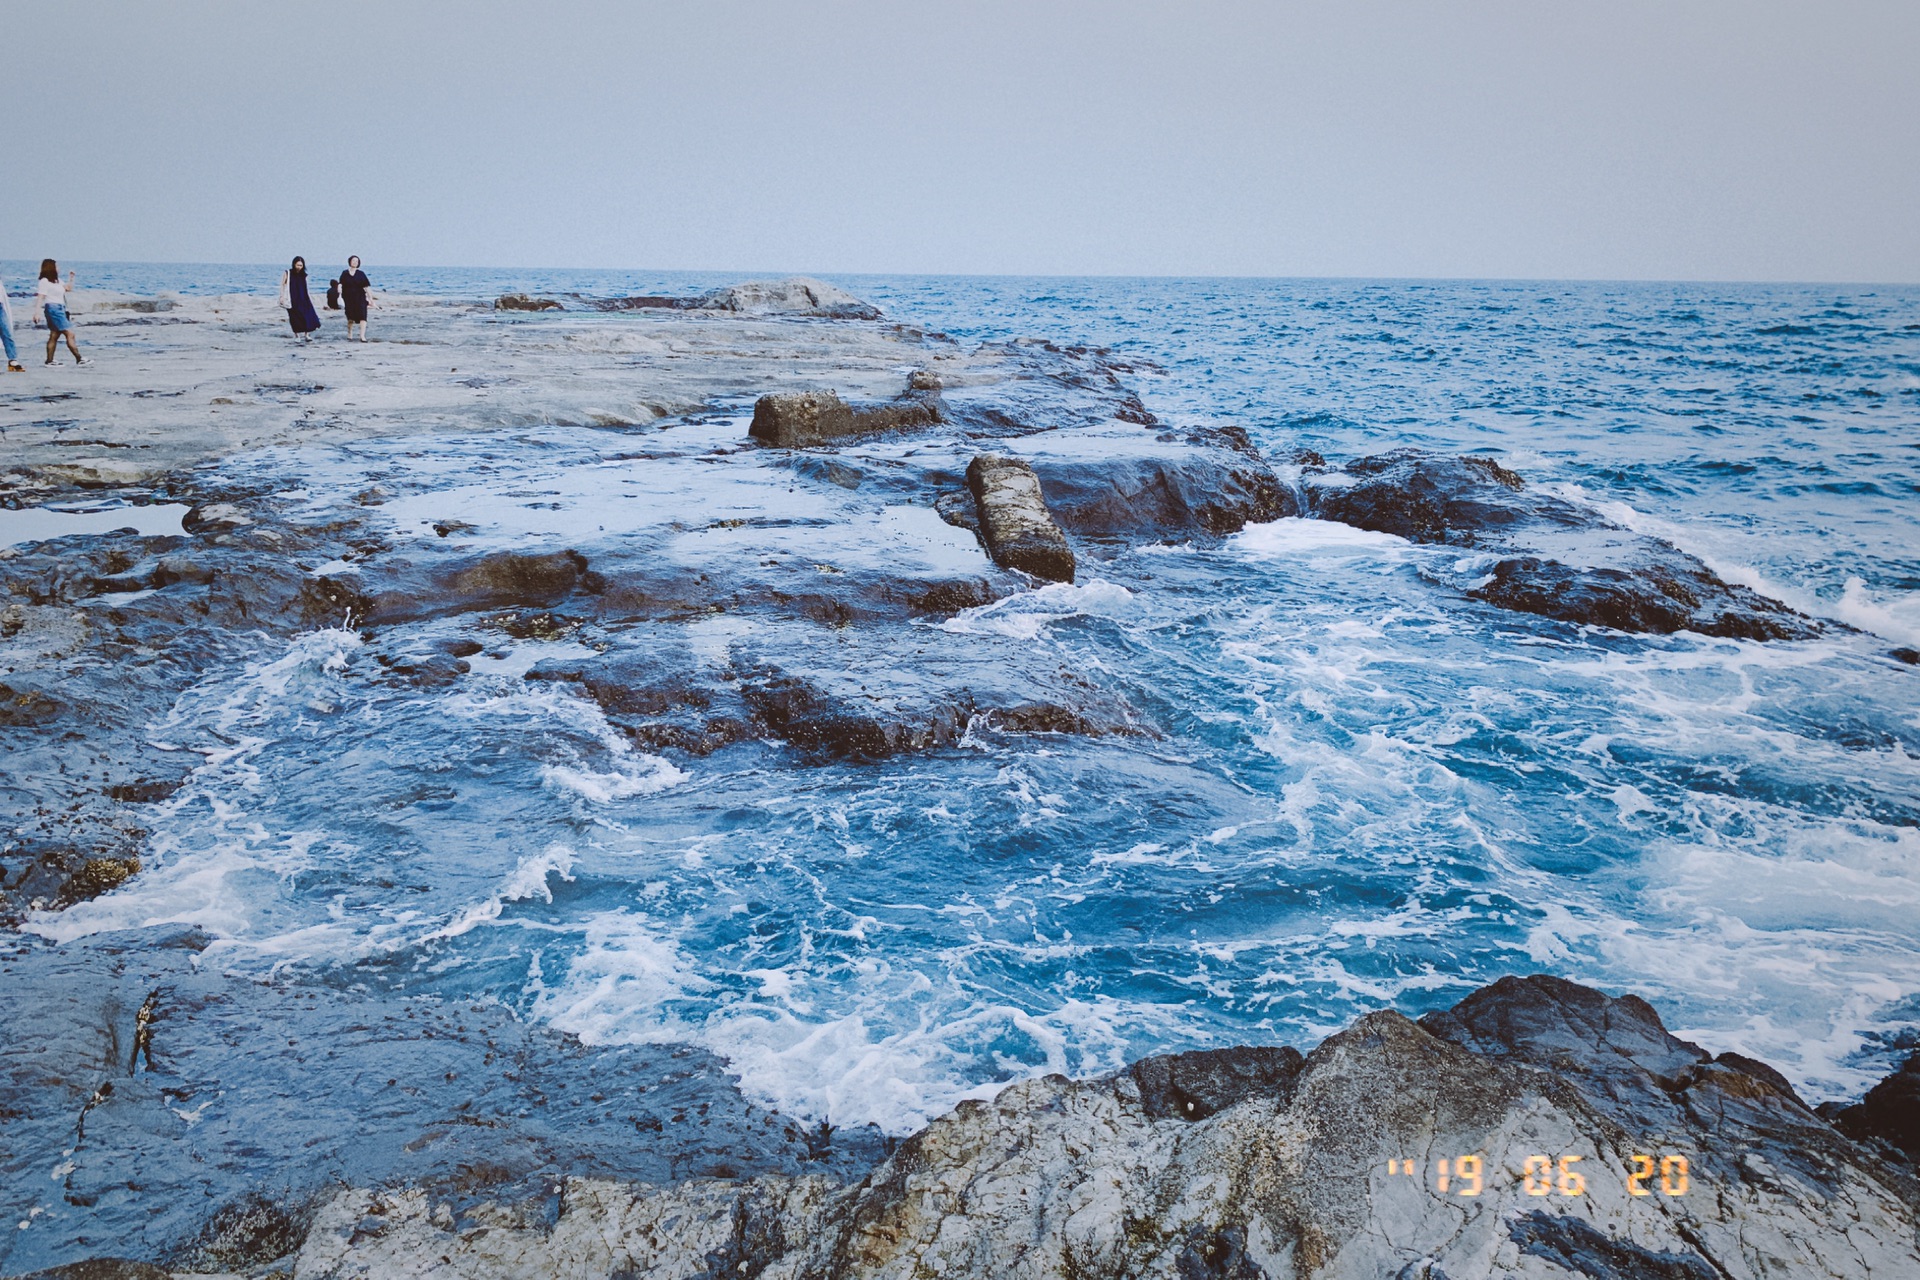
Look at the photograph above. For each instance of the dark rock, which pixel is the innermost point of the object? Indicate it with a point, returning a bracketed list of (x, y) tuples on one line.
[(1890, 1112), (502, 579), (1570, 563), (1909, 656), (1193, 1086), (1218, 1255), (1160, 496), (250, 1231), (815, 723), (1553, 1022), (96, 876), (1019, 531), (1656, 598), (1580, 1248), (145, 790), (522, 302), (1427, 497), (213, 517), (101, 1269), (805, 419), (27, 708)]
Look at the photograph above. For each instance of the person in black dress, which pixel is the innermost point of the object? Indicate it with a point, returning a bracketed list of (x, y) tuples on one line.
[(353, 292), (297, 301)]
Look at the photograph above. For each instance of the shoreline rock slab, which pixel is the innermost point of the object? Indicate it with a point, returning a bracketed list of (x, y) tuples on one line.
[(1560, 1113), (1019, 530)]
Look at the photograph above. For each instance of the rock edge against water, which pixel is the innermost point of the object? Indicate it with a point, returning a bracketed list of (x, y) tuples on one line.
[(1258, 1162)]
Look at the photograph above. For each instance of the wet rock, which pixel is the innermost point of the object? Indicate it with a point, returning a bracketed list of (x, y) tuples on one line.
[(249, 1232), (213, 517), (1571, 563), (523, 302), (806, 419), (144, 790), (1295, 1170), (96, 876), (1193, 1086), (1161, 494), (1019, 531), (815, 723), (255, 1100), (501, 579), (1655, 597), (1890, 1112), (101, 1269), (25, 708)]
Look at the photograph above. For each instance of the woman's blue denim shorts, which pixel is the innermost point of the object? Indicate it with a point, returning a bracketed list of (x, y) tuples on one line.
[(57, 318)]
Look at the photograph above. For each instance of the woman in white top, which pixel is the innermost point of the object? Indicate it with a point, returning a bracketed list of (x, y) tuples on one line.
[(52, 297), (6, 331)]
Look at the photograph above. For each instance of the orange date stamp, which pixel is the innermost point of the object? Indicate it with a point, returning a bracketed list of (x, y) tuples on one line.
[(1543, 1175)]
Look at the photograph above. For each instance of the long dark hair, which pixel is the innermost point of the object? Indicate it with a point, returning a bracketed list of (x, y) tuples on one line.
[(49, 270), (299, 264)]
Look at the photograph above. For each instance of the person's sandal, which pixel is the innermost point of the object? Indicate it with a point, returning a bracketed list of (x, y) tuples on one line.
[(14, 366)]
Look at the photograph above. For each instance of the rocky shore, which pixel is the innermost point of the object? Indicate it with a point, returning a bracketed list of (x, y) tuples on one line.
[(781, 492)]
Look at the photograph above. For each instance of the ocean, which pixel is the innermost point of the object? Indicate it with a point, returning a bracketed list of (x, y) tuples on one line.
[(1364, 791)]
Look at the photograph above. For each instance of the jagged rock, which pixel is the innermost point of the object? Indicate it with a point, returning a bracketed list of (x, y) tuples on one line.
[(1573, 564), (522, 302), (797, 295), (1678, 595), (1890, 1112), (214, 516), (1322, 1168), (1175, 493), (805, 419), (1019, 531)]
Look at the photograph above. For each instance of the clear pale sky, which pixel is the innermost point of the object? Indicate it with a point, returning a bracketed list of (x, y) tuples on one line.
[(1691, 139)]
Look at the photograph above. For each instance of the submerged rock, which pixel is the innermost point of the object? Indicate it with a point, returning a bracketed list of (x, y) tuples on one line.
[(1538, 1129), (1019, 531), (523, 302), (1573, 564)]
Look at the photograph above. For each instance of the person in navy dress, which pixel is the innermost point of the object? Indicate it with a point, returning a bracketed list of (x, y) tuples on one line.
[(296, 300)]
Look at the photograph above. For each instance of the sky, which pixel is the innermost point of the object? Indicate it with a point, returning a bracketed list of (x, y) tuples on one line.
[(1683, 139)]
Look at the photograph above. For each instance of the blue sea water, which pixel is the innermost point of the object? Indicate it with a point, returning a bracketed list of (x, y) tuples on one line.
[(1370, 791)]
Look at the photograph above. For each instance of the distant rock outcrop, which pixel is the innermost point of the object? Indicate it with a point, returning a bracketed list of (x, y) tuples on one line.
[(796, 295)]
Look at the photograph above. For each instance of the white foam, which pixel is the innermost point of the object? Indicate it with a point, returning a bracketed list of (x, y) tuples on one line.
[(1027, 615), (1295, 535), (529, 879)]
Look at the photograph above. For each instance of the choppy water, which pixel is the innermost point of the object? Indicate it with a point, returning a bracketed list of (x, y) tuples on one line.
[(1371, 792)]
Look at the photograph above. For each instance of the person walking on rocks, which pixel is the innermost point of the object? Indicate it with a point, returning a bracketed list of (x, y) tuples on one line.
[(297, 302), (51, 296), (353, 292), (6, 331)]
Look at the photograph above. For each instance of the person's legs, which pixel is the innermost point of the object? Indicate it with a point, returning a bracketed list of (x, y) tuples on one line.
[(72, 345), (53, 342), (6, 340)]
